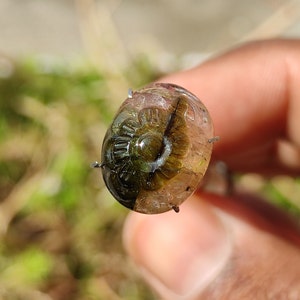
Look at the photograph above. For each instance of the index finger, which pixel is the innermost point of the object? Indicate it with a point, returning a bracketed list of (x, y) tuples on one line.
[(253, 96)]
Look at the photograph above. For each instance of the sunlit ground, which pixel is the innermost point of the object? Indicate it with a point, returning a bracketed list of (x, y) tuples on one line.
[(60, 230)]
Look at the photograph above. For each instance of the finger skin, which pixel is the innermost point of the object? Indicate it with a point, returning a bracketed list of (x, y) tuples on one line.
[(252, 94), (251, 261), (265, 262), (262, 265)]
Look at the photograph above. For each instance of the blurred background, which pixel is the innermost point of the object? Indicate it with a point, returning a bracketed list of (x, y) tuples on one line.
[(65, 67)]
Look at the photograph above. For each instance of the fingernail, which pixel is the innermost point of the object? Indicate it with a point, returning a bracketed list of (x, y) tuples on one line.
[(179, 254)]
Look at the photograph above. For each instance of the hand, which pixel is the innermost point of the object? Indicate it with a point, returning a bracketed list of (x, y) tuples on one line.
[(228, 247)]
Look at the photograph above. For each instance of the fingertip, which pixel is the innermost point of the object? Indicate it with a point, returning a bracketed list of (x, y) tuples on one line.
[(178, 254), (204, 251), (131, 229), (252, 95)]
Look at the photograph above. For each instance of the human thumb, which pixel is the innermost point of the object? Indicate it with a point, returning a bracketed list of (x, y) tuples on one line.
[(207, 253)]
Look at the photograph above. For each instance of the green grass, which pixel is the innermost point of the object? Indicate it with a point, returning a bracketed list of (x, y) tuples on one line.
[(60, 230)]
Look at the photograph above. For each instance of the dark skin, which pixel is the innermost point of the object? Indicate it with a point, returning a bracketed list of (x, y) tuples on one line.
[(233, 247)]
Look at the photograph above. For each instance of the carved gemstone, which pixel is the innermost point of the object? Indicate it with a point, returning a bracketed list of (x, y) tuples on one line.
[(157, 148)]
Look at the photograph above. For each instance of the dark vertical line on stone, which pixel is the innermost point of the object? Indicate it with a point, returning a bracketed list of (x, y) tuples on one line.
[(167, 131), (172, 118)]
